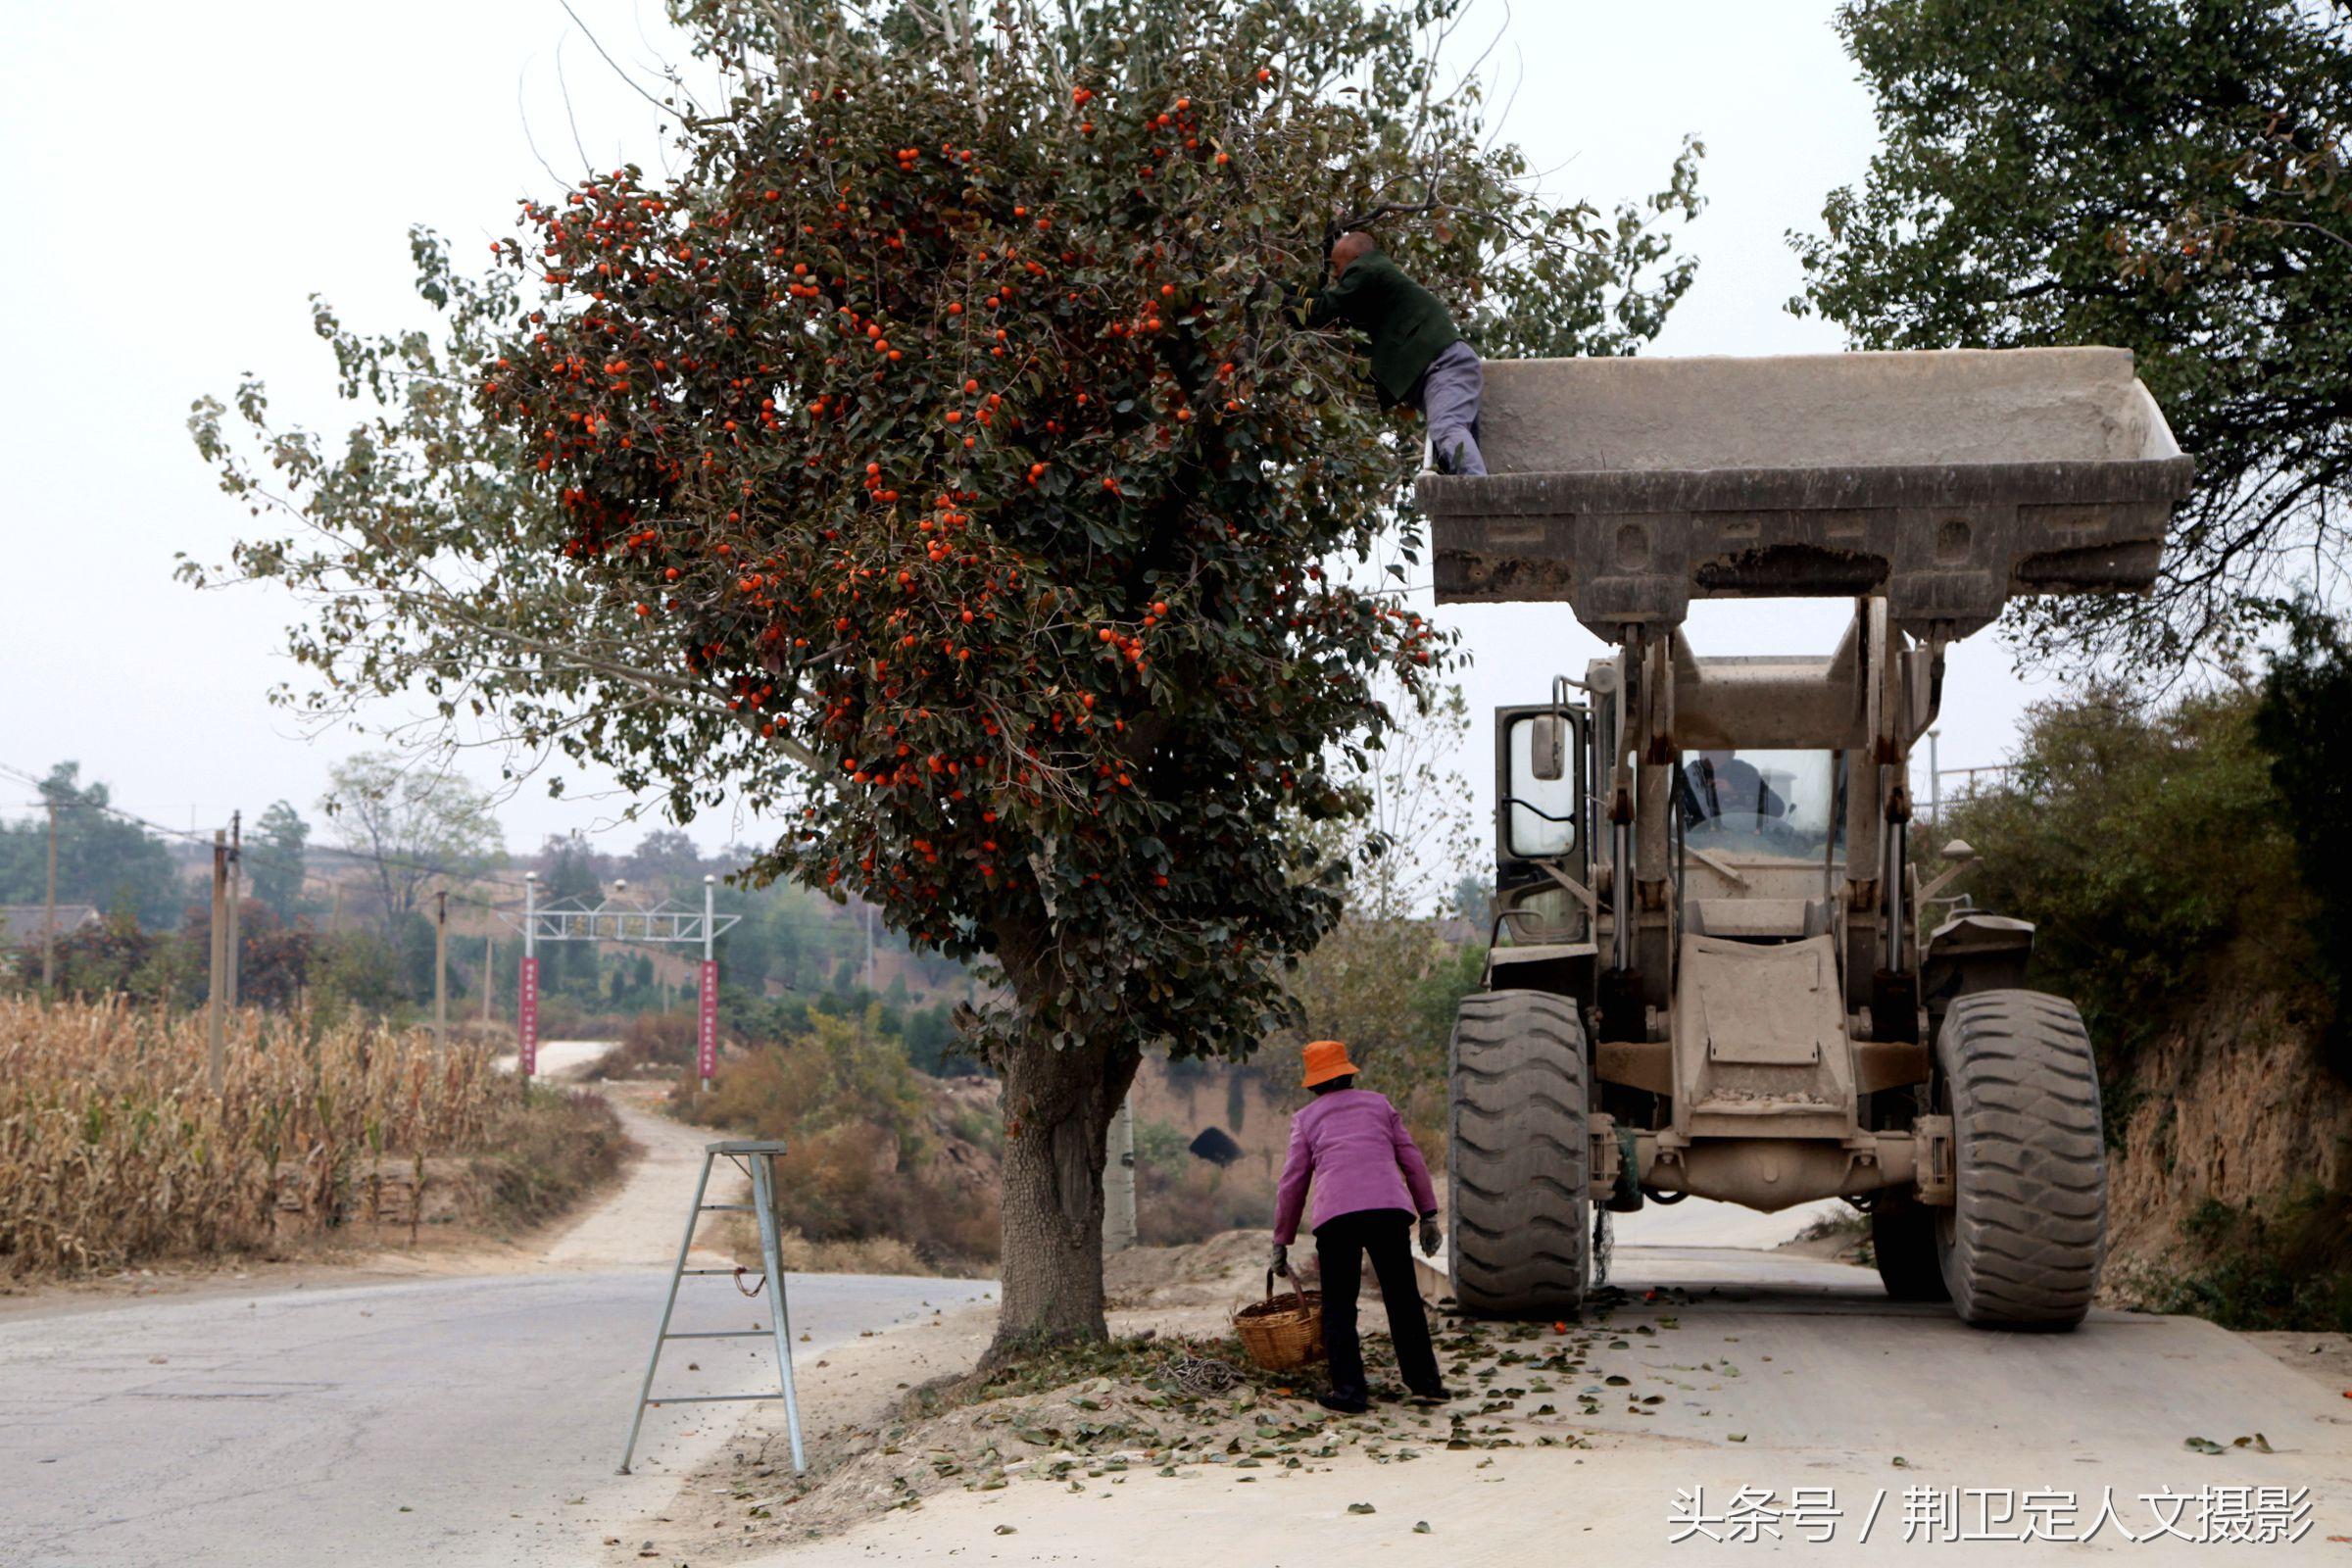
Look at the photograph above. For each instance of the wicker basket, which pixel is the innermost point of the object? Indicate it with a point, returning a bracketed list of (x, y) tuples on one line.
[(1281, 1335)]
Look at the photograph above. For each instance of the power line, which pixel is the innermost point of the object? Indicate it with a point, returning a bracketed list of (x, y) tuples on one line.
[(393, 863)]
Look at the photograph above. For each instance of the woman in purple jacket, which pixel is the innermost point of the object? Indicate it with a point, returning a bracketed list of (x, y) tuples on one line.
[(1369, 1182)]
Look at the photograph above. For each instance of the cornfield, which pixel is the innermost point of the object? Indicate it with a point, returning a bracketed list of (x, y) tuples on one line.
[(114, 1148)]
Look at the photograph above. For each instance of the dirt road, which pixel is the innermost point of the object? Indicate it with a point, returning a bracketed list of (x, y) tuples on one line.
[(463, 1420), (1772, 1372)]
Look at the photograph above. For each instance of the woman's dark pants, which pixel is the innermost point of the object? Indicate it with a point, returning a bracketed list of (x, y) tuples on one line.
[(1340, 1243)]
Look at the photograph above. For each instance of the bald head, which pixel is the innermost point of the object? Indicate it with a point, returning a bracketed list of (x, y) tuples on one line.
[(1349, 247)]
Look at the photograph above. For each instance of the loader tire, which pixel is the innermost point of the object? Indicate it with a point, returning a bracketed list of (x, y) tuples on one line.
[(1518, 1156), (1902, 1244), (2021, 1246)]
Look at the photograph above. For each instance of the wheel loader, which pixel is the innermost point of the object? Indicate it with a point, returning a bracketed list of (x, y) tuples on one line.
[(1709, 975)]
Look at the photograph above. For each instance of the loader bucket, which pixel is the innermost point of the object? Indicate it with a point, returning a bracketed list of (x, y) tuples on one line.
[(1946, 481)]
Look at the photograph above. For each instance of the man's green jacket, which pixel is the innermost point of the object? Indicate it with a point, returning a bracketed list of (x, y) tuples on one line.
[(1407, 325)]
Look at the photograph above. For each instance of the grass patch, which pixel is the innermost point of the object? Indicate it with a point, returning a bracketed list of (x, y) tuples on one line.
[(552, 1148), (2288, 1267)]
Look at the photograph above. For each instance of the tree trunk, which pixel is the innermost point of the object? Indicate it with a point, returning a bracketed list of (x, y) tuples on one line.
[(1057, 1110)]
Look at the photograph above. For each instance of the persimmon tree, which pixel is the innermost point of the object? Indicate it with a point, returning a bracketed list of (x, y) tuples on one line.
[(935, 459)]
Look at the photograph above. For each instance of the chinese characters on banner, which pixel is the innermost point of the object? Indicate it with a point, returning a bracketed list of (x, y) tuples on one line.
[(526, 1019), (706, 1040)]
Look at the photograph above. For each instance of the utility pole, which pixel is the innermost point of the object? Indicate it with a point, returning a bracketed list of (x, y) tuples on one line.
[(1118, 1180), (489, 973), (334, 920), (236, 892), (1934, 785), (49, 919), (441, 972), (218, 1058)]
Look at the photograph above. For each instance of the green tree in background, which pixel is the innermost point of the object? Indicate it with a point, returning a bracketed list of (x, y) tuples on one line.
[(412, 825), (2164, 176), (101, 860), (667, 855), (568, 875), (1474, 901), (2300, 722), (274, 858), (935, 452), (2150, 849)]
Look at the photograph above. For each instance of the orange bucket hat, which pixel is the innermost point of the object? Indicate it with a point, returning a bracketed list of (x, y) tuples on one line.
[(1325, 1060)]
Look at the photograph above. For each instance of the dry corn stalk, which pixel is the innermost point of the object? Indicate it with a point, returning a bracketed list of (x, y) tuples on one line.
[(113, 1150)]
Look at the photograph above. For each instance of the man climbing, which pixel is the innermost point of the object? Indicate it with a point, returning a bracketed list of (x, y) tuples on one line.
[(1418, 358)]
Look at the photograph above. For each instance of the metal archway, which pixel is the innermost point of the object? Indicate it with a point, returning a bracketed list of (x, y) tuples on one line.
[(666, 923)]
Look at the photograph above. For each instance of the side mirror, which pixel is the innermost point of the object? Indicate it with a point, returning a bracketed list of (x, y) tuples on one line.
[(1547, 746)]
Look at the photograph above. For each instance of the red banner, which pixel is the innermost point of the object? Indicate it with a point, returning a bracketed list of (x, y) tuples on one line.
[(706, 1056), (526, 1019)]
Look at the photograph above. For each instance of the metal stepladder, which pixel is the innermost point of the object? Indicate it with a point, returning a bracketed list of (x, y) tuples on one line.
[(751, 1155)]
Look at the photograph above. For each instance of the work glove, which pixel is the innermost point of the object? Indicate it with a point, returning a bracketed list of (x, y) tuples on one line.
[(1279, 1260), (1429, 1236)]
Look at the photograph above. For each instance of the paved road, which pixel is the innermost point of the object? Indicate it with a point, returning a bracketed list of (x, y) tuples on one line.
[(1774, 1371), (1704, 1222), (449, 1422)]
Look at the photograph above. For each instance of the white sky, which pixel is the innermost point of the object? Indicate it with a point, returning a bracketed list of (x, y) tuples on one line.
[(186, 176)]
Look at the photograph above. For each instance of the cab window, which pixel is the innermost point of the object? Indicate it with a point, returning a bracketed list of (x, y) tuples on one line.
[(1539, 820)]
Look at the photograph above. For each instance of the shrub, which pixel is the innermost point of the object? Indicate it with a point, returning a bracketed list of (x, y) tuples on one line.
[(1192, 1202), (2289, 1266), (651, 1041), (1161, 1146), (853, 1116), (1389, 989), (2152, 854)]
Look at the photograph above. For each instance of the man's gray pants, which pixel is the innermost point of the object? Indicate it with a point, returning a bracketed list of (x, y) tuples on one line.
[(1449, 391)]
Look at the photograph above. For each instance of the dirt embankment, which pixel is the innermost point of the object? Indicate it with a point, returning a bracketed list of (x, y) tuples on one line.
[(2232, 1106)]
